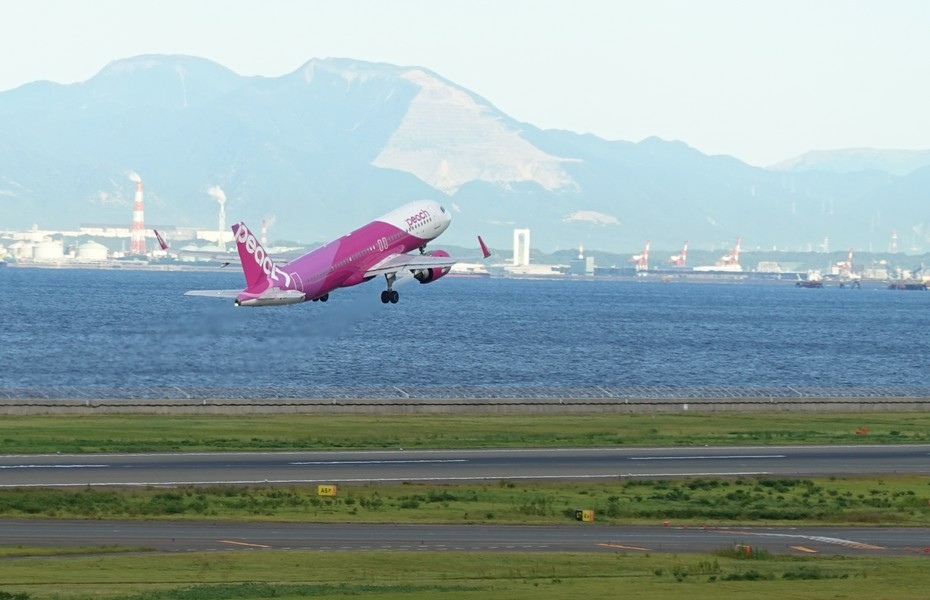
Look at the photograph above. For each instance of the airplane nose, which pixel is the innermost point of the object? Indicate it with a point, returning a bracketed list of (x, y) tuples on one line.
[(446, 216)]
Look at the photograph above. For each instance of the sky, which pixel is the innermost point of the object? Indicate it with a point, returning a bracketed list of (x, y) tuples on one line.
[(761, 80)]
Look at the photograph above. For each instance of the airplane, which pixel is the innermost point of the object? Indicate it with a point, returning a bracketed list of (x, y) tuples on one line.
[(384, 246)]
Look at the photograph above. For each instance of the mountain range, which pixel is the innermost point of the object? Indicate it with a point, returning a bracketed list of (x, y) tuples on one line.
[(338, 142)]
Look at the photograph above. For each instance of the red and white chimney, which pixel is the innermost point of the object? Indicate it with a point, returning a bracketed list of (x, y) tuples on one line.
[(137, 237)]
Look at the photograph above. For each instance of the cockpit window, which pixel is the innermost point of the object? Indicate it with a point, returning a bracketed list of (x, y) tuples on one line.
[(442, 208)]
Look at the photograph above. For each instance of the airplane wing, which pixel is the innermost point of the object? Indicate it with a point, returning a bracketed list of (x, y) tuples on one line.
[(214, 293), (412, 262), (409, 262)]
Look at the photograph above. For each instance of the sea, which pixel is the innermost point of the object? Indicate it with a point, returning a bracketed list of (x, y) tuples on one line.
[(115, 333)]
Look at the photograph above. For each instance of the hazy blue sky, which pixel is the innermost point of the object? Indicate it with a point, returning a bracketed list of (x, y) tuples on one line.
[(761, 80)]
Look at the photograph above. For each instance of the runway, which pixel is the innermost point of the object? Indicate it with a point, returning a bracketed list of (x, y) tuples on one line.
[(456, 465), (19, 471), (175, 536)]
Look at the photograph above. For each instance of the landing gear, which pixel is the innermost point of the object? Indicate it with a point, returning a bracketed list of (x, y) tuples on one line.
[(322, 298), (390, 295)]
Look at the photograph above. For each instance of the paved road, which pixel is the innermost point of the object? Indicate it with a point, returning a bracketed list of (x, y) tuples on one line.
[(456, 465), (212, 536)]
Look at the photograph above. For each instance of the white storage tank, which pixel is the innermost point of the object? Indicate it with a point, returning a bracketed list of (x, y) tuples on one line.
[(48, 250), (91, 250), (21, 250)]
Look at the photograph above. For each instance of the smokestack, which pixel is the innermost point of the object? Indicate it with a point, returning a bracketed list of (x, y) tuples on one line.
[(267, 222), (137, 237), (220, 196)]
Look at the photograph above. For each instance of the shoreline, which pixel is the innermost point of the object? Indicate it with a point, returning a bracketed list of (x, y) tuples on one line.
[(523, 406)]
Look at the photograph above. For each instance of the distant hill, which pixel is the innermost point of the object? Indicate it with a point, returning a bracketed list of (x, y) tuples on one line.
[(340, 141), (896, 162)]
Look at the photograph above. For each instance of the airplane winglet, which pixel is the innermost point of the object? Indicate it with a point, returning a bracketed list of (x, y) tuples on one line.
[(484, 248), (161, 240)]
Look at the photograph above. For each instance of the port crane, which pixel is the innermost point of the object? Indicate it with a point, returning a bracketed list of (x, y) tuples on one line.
[(681, 258), (641, 261), (733, 257)]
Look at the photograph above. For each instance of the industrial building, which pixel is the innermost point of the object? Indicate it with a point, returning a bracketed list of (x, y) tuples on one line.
[(98, 243)]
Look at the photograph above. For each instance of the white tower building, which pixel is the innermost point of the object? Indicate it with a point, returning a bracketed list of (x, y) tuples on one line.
[(521, 247)]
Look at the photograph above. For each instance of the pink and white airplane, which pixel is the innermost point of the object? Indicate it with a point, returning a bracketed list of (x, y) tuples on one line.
[(383, 247)]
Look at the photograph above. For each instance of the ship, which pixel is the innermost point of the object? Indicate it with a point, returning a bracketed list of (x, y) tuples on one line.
[(470, 270), (814, 280), (807, 283), (907, 285)]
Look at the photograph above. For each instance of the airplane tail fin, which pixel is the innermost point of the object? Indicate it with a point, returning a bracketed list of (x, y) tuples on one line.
[(484, 248), (266, 284), (161, 240), (256, 264)]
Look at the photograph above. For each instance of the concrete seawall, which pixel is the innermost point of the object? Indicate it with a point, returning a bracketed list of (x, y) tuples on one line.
[(460, 405)]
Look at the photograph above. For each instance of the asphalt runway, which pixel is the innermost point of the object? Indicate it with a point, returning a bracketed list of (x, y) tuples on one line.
[(174, 536), (456, 465), (17, 471)]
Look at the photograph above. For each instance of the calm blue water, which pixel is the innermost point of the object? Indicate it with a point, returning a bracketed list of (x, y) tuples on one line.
[(125, 332)]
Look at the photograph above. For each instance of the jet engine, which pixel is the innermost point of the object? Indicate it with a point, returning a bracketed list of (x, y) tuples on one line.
[(430, 275), (271, 297)]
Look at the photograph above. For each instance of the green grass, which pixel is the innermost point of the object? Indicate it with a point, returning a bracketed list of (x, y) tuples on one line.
[(100, 573), (158, 433), (460, 576), (897, 500), (20, 551)]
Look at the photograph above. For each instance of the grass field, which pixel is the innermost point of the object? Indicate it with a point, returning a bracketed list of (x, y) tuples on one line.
[(107, 572), (898, 500), (460, 576), (158, 433)]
